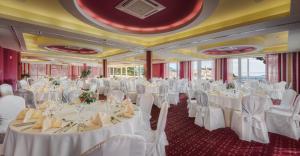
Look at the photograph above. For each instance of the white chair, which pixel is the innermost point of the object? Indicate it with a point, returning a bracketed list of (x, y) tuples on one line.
[(23, 84), (119, 145), (140, 90), (285, 123), (287, 101), (157, 140), (146, 103), (93, 87), (118, 95), (250, 123), (10, 106), (73, 96), (209, 117), (131, 91), (192, 105), (106, 87), (28, 96), (173, 97), (162, 96), (6, 89)]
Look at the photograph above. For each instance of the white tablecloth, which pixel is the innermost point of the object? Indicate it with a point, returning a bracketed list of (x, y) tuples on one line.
[(18, 143)]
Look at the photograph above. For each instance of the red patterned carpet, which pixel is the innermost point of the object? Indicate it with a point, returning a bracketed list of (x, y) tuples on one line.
[(187, 139)]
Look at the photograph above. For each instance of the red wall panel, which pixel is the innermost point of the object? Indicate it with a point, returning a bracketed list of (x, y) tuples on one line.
[(158, 70), (1, 65), (11, 67)]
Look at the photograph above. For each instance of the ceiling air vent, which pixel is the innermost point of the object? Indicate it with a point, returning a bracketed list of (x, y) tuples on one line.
[(140, 8)]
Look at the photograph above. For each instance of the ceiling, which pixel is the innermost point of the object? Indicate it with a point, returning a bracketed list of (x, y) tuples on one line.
[(35, 24)]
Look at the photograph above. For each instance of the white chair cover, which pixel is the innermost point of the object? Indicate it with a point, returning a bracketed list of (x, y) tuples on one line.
[(287, 100), (10, 106), (6, 89), (162, 96), (119, 145), (23, 84), (106, 87), (93, 87), (28, 96), (250, 123), (285, 123), (157, 140), (146, 103), (192, 105), (140, 89), (208, 116), (74, 96), (118, 95)]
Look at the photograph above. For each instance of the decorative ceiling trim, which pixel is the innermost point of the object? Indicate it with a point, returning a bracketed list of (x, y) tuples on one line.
[(72, 49), (230, 50), (201, 12)]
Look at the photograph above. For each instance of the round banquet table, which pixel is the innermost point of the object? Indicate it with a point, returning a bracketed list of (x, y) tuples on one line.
[(32, 143)]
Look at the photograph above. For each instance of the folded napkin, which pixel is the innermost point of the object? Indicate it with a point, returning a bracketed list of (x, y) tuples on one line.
[(95, 120), (129, 110), (29, 113), (47, 123), (126, 102), (44, 105)]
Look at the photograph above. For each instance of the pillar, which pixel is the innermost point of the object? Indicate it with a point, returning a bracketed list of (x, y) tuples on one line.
[(149, 65), (84, 66), (105, 68)]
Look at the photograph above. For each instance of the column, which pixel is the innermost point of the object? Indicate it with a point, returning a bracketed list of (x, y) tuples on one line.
[(104, 68), (148, 65), (84, 66)]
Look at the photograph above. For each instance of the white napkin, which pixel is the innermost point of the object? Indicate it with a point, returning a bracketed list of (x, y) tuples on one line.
[(96, 120), (129, 110), (47, 123), (32, 114)]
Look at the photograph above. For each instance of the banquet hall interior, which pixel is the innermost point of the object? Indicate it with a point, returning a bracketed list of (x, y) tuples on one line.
[(149, 77)]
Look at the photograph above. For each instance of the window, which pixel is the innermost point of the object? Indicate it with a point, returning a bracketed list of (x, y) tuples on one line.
[(250, 69), (134, 70), (235, 68), (173, 70), (130, 71), (207, 70), (37, 71), (195, 70)]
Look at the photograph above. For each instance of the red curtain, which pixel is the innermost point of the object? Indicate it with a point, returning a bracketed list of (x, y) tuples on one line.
[(185, 70), (221, 69), (10, 66), (158, 70), (284, 67)]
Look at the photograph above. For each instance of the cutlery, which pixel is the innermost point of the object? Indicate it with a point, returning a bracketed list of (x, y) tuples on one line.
[(24, 124), (67, 129), (26, 128), (61, 129)]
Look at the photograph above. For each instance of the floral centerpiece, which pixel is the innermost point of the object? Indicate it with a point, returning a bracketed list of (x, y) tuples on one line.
[(230, 86), (55, 82), (85, 74), (87, 97), (50, 78)]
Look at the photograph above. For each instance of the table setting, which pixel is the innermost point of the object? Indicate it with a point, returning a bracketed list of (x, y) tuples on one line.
[(230, 99), (69, 129)]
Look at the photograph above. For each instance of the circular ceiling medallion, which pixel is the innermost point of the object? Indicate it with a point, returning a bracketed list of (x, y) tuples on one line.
[(141, 16), (230, 50), (71, 49)]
